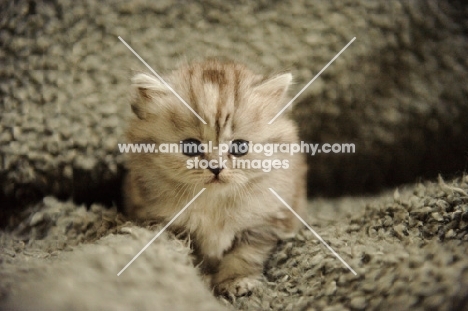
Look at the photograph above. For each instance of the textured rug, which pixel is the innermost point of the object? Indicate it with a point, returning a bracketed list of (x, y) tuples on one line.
[(408, 249)]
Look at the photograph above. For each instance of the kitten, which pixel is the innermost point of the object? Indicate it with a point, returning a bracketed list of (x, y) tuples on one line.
[(236, 222)]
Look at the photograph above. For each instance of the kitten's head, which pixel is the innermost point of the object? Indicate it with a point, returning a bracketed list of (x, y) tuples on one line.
[(236, 105)]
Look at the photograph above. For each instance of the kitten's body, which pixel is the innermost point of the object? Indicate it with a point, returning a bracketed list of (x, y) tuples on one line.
[(236, 221)]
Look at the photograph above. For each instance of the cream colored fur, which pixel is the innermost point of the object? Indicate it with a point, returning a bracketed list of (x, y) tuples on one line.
[(236, 221)]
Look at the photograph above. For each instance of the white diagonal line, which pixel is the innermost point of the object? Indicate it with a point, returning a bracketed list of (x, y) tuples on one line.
[(312, 230), (160, 232), (311, 81), (162, 80)]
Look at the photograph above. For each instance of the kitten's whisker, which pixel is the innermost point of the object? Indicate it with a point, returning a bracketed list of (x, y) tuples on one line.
[(179, 192), (183, 188), (246, 194)]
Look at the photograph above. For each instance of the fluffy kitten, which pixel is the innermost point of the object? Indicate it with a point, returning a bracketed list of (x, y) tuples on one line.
[(235, 223)]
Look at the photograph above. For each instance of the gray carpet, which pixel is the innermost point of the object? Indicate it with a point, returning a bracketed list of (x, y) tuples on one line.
[(408, 249), (398, 92)]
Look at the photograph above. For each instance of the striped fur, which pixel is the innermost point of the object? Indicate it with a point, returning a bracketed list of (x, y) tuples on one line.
[(236, 222)]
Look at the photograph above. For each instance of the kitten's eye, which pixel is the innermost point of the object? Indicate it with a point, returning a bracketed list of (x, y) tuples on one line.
[(239, 147), (191, 147)]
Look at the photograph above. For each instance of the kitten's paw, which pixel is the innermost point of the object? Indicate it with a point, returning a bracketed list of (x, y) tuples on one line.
[(236, 287)]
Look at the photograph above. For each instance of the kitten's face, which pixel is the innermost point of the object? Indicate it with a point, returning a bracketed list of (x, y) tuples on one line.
[(235, 103)]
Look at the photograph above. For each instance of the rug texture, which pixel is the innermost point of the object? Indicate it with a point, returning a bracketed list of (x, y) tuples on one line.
[(408, 250)]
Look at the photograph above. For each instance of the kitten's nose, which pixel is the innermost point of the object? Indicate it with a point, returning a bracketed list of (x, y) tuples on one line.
[(215, 171)]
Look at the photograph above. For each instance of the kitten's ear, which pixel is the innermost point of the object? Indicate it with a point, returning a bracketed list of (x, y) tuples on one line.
[(275, 87), (147, 89)]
